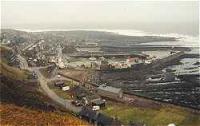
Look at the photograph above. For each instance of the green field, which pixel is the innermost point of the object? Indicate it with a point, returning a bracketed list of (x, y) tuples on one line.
[(60, 92), (153, 117)]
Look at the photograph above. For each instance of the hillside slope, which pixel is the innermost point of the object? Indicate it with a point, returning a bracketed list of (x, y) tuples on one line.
[(16, 116), (23, 103)]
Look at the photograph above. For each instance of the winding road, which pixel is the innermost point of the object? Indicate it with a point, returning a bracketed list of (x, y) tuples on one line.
[(43, 83)]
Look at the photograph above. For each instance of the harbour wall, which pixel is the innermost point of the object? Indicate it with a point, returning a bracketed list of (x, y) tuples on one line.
[(172, 59)]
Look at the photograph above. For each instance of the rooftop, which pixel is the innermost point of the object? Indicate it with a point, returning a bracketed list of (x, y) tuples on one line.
[(109, 88), (98, 101)]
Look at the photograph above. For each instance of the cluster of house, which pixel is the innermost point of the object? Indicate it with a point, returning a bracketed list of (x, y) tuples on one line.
[(126, 63), (92, 115), (92, 98), (82, 96), (36, 57), (40, 54), (85, 97)]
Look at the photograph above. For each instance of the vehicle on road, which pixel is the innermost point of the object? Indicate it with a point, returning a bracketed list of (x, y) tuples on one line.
[(76, 103)]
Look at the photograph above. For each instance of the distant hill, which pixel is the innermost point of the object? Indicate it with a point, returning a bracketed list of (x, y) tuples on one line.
[(15, 36)]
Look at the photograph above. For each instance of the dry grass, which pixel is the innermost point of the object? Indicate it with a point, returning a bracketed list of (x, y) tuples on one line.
[(13, 115)]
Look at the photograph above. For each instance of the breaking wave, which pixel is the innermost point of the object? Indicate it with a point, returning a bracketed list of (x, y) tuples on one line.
[(182, 40)]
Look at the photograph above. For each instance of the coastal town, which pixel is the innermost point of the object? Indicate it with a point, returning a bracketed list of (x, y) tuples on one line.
[(87, 76), (99, 63)]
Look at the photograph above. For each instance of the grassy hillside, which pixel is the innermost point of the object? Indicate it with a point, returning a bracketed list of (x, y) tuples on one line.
[(6, 69), (13, 115), (12, 72), (23, 103)]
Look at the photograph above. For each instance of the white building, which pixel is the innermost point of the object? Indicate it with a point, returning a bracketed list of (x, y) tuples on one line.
[(110, 92)]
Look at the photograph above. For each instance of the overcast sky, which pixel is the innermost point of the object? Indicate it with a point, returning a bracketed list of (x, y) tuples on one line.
[(97, 14)]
